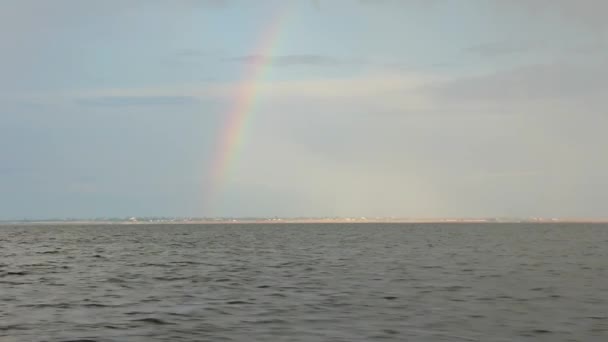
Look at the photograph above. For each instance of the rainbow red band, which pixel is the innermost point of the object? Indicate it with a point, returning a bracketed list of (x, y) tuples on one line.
[(231, 137)]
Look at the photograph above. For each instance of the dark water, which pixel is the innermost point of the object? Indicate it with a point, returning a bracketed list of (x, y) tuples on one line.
[(371, 282)]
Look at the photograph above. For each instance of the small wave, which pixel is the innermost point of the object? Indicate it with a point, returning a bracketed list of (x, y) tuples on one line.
[(12, 327), (49, 252), (47, 305), (152, 321), (270, 321), (541, 331), (14, 273), (39, 265), (186, 263), (454, 288), (152, 265), (171, 278), (14, 283), (97, 305), (277, 294), (132, 313), (113, 327), (116, 280), (237, 302)]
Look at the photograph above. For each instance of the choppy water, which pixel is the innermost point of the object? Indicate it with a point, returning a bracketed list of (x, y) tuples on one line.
[(366, 282)]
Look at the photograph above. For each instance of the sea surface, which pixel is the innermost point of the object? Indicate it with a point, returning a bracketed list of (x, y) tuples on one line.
[(304, 282)]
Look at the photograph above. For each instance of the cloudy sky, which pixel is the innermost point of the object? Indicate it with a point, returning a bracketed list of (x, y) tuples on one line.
[(410, 108)]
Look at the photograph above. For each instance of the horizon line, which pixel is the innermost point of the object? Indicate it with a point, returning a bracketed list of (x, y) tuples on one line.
[(303, 219)]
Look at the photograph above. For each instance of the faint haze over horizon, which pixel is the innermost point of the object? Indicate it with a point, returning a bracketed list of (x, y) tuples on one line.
[(404, 108)]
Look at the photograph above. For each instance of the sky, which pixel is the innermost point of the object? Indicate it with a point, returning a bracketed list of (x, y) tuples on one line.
[(404, 108)]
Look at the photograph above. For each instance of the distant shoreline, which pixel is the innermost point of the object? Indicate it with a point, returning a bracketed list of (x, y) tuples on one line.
[(299, 221)]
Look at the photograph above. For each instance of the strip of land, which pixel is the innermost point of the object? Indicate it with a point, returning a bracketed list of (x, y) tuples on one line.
[(276, 220)]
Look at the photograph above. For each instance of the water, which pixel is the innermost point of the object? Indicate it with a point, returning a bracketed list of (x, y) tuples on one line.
[(360, 282)]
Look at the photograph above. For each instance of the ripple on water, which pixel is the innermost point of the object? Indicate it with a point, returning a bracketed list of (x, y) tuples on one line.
[(308, 283), (152, 320), (13, 273)]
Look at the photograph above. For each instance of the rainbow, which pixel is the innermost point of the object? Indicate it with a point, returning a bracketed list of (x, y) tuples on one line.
[(231, 136)]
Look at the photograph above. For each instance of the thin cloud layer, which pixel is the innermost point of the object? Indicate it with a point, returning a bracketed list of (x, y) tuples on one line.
[(114, 101), (289, 60)]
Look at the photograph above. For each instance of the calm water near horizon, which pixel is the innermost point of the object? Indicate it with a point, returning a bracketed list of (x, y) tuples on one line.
[(304, 282)]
